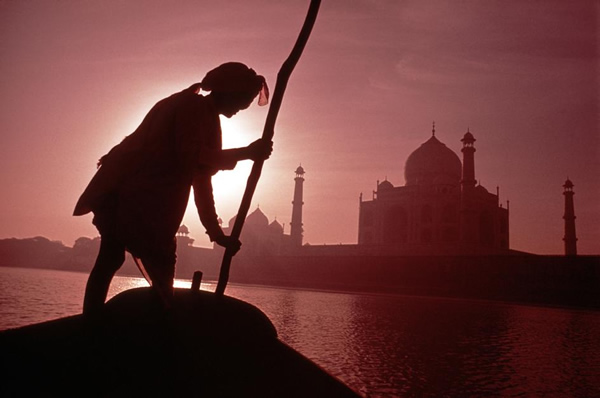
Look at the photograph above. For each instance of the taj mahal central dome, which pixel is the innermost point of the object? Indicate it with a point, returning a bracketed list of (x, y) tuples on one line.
[(441, 209), (432, 163)]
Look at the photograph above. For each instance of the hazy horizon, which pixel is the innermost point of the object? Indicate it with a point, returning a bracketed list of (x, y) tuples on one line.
[(522, 76)]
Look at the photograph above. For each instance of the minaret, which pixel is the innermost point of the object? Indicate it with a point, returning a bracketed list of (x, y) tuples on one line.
[(468, 171), (569, 217), (467, 185), (296, 230)]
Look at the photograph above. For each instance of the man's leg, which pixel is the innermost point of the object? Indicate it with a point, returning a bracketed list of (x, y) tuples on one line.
[(109, 260), (161, 269)]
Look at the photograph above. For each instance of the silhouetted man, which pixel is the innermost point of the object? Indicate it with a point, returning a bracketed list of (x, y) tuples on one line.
[(140, 192)]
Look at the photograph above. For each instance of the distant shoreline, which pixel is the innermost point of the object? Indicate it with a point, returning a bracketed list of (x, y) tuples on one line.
[(134, 273)]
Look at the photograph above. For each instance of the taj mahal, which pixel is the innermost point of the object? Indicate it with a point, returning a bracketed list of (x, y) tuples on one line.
[(441, 210)]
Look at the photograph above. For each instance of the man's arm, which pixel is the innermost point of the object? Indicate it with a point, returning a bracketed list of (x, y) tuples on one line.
[(205, 203), (226, 159)]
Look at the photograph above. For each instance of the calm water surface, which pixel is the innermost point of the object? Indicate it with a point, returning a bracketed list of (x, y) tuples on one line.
[(384, 346)]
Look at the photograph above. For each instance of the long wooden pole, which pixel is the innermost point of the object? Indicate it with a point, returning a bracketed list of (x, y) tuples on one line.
[(269, 130)]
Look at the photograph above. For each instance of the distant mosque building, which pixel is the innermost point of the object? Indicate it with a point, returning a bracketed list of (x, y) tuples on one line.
[(261, 237), (440, 210)]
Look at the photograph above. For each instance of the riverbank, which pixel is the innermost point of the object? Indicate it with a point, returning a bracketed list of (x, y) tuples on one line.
[(564, 281), (555, 281)]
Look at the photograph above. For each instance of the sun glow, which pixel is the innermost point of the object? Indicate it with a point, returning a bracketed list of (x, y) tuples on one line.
[(230, 184), (187, 284)]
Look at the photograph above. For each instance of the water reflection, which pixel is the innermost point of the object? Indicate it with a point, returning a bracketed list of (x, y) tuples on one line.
[(554, 352), (390, 346), (384, 346), (31, 296)]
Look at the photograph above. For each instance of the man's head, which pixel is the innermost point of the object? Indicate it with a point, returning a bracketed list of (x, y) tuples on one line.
[(234, 86)]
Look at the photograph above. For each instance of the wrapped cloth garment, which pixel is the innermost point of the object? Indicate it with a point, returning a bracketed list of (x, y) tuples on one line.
[(140, 192)]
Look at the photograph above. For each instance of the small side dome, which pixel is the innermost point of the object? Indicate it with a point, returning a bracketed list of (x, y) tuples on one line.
[(468, 138), (568, 184), (257, 219), (480, 188), (275, 227), (183, 230), (385, 185)]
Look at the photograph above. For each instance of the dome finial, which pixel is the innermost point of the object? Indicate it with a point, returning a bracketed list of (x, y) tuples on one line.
[(433, 129)]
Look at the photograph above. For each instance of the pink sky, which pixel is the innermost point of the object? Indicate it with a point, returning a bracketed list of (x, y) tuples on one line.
[(77, 76)]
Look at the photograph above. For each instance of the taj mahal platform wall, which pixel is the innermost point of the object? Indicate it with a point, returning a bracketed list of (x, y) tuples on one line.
[(550, 280)]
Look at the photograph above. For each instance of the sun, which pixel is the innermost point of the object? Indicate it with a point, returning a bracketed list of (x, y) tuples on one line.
[(231, 183), (228, 185)]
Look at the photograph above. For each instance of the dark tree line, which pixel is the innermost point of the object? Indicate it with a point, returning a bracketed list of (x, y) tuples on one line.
[(41, 252)]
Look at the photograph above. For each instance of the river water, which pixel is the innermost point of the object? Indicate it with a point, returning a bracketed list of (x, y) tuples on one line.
[(384, 345)]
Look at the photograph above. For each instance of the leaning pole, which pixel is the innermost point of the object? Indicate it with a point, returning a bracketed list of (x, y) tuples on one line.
[(269, 130)]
